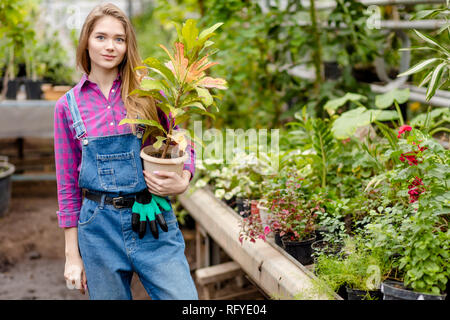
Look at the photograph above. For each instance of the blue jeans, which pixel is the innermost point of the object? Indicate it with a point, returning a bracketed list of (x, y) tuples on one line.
[(112, 252)]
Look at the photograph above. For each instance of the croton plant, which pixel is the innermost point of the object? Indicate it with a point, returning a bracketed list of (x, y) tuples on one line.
[(181, 86)]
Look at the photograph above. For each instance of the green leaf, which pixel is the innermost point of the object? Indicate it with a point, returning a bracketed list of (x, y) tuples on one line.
[(333, 104), (430, 40), (166, 108), (195, 104), (151, 93), (148, 84), (387, 115), (435, 80), (205, 113), (160, 68), (419, 120), (385, 100), (388, 134), (418, 67), (147, 122), (159, 142), (190, 33), (179, 33), (426, 79), (204, 94), (346, 125), (181, 118), (210, 30)]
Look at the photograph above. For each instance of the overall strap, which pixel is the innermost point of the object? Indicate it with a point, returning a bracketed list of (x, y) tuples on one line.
[(78, 124)]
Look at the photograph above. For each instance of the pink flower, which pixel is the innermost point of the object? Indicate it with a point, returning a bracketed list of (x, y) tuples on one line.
[(263, 237), (266, 230), (402, 129), (276, 225)]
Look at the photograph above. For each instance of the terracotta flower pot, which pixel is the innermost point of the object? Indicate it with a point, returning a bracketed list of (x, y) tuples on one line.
[(151, 162)]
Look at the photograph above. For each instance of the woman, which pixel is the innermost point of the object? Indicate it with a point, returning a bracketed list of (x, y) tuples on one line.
[(102, 249)]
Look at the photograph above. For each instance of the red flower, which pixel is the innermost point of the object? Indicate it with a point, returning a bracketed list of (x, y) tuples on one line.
[(411, 157), (414, 190), (417, 181), (403, 128), (422, 148)]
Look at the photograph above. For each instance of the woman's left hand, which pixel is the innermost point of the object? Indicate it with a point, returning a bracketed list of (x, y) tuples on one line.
[(166, 183)]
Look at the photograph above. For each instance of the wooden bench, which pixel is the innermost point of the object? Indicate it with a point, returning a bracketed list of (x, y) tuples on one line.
[(209, 276)]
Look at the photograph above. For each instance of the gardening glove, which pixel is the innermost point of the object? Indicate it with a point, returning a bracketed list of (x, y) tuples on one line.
[(146, 207)]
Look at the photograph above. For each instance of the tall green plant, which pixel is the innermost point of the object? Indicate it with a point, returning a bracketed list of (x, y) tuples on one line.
[(439, 75), (182, 80)]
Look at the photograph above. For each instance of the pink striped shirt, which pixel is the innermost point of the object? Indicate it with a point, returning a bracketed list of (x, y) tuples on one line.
[(101, 117)]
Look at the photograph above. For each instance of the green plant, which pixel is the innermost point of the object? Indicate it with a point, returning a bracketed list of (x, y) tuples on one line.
[(241, 176), (432, 121), (51, 60), (439, 74), (16, 27), (314, 133), (351, 16), (418, 182), (345, 125), (357, 267), (183, 82)]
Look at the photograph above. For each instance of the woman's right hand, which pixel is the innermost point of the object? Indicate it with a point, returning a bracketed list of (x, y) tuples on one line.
[(74, 273)]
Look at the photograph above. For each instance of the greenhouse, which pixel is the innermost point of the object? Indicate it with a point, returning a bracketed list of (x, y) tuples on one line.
[(224, 150)]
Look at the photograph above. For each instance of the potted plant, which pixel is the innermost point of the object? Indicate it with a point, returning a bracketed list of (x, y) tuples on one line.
[(50, 65), (300, 229), (6, 171), (181, 88), (418, 247), (357, 269), (293, 213), (17, 29)]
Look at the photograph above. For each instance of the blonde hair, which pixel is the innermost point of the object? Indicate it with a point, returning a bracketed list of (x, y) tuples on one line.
[(136, 106)]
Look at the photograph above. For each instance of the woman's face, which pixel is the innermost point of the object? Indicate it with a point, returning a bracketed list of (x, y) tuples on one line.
[(107, 43)]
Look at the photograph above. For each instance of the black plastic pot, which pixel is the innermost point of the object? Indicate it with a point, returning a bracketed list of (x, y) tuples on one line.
[(243, 207), (231, 203), (277, 239), (320, 232), (342, 292), (13, 87), (394, 290), (33, 89), (300, 250), (6, 171), (354, 294), (324, 247)]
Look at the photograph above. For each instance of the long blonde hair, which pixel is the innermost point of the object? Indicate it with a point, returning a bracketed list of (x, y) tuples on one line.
[(142, 107)]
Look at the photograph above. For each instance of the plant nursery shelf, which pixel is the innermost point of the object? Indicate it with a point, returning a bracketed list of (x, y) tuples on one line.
[(275, 272), (28, 118)]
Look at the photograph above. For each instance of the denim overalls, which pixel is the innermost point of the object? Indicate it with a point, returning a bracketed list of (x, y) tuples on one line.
[(110, 249)]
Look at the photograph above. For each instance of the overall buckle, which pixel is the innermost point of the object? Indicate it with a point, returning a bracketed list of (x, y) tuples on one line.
[(119, 203)]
